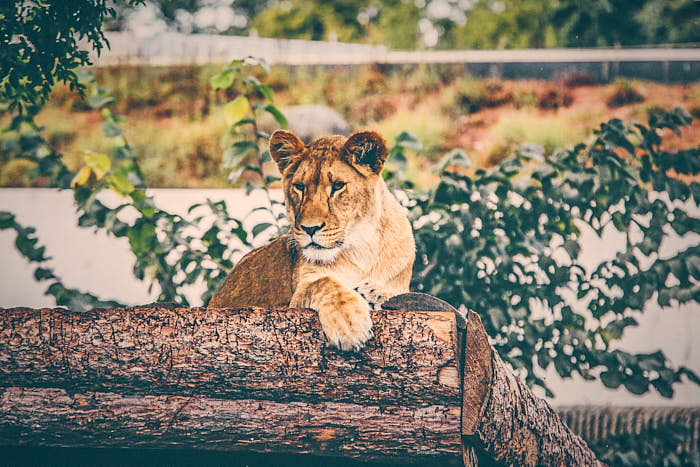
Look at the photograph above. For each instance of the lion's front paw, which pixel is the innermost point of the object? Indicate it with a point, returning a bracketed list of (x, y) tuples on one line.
[(372, 295), (347, 325)]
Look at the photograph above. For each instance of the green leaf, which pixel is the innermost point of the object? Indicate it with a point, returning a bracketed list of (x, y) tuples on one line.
[(41, 274), (142, 237), (637, 384), (408, 141), (663, 387), (99, 100), (236, 109), (111, 129), (611, 379), (572, 248), (455, 157), (224, 79), (237, 153), (619, 222), (266, 92), (7, 220), (260, 228), (119, 182), (279, 116)]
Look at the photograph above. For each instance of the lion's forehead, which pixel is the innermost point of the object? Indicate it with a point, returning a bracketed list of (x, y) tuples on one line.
[(317, 168)]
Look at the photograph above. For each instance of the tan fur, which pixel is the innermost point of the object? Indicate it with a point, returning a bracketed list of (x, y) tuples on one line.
[(362, 252)]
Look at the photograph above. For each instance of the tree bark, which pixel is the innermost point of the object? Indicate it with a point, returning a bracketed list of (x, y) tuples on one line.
[(249, 379), (502, 418), (427, 388)]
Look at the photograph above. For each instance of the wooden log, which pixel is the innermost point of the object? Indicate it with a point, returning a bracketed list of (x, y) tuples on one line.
[(253, 353), (429, 387), (249, 379), (504, 420)]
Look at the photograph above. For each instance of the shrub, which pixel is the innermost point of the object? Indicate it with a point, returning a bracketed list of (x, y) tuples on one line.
[(475, 95), (624, 93), (505, 241), (578, 78), (372, 108), (515, 129), (553, 97)]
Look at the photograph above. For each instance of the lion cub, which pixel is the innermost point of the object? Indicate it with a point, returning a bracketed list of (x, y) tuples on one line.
[(351, 246)]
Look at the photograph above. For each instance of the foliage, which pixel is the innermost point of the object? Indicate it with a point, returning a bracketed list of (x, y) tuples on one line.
[(624, 93), (170, 251), (27, 245), (503, 241), (506, 243), (482, 24), (476, 94), (314, 20), (517, 24), (660, 445), (40, 45)]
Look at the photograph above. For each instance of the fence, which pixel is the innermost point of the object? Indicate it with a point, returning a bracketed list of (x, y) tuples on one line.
[(661, 64)]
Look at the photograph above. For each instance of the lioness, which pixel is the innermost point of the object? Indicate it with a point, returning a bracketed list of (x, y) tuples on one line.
[(350, 247)]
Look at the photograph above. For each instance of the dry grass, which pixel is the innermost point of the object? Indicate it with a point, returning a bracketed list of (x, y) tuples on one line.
[(175, 122)]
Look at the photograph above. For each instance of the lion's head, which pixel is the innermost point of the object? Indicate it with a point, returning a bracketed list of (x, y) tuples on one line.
[(332, 188)]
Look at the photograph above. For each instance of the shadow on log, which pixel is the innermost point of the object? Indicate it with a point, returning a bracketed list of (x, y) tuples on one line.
[(264, 380)]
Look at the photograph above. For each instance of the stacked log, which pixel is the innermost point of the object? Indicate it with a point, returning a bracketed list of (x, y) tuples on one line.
[(428, 388)]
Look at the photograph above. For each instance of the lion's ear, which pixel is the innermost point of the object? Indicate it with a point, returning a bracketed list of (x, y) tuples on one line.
[(283, 145), (366, 149)]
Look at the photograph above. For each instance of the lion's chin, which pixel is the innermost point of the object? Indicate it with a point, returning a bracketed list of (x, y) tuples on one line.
[(314, 254)]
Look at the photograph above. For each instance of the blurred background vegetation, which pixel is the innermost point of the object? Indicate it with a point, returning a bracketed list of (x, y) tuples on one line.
[(442, 24), (442, 105), (439, 104)]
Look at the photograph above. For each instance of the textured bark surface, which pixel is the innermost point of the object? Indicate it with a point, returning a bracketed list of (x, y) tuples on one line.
[(264, 380), (250, 379), (510, 424), (252, 353), (53, 417)]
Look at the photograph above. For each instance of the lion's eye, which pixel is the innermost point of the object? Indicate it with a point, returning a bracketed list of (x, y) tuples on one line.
[(337, 186), (298, 186)]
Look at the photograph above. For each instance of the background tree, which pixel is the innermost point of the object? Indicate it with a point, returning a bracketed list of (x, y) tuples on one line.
[(512, 24), (483, 24), (670, 21), (315, 20), (40, 45)]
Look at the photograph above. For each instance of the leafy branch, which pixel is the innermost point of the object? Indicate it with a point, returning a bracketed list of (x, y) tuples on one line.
[(506, 242)]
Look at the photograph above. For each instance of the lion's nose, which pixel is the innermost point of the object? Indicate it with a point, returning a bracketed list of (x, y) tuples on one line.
[(311, 229)]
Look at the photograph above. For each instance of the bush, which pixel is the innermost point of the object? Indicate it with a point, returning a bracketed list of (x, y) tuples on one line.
[(505, 242), (661, 445), (624, 93), (553, 97), (475, 95), (580, 78)]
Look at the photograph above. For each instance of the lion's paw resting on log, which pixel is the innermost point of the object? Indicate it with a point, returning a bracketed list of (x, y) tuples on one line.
[(350, 247)]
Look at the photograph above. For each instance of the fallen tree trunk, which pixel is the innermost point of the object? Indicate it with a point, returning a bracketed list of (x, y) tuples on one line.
[(264, 380), (503, 418), (250, 379)]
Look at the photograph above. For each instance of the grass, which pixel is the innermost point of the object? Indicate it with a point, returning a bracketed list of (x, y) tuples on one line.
[(551, 131), (176, 127)]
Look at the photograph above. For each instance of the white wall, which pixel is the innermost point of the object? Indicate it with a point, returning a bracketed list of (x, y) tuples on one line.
[(102, 265)]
